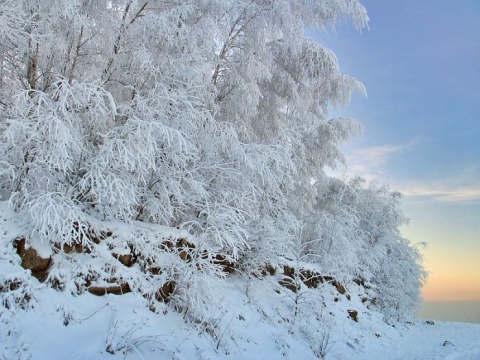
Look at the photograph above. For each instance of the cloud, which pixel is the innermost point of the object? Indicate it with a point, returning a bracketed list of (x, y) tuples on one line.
[(370, 162), (461, 188), (445, 193)]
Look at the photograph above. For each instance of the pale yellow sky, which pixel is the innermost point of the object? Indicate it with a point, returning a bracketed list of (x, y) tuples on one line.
[(420, 66), (453, 255), (454, 274)]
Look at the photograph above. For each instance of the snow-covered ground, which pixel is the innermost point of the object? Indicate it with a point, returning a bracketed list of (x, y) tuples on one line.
[(422, 341), (116, 327), (250, 318)]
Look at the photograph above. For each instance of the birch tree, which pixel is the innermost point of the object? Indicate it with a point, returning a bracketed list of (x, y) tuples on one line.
[(210, 116)]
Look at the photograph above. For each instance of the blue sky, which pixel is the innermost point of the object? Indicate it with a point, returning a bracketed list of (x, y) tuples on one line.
[(420, 63)]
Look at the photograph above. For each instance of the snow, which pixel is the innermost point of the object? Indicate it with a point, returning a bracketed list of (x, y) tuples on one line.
[(204, 117), (251, 318), (442, 340), (242, 330)]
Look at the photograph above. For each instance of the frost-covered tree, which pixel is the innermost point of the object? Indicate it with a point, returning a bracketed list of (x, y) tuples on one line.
[(182, 113), (390, 263), (353, 234), (210, 116)]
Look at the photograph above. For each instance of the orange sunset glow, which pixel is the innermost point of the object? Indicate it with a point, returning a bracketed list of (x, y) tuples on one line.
[(453, 275)]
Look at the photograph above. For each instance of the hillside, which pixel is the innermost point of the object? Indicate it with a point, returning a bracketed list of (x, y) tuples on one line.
[(238, 314), (163, 185), (245, 317)]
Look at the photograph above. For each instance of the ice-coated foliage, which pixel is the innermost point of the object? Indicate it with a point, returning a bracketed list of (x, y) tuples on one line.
[(209, 116), (355, 233)]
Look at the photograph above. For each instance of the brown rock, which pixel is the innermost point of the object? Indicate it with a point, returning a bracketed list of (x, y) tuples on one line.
[(353, 315), (127, 260), (311, 278), (154, 270), (228, 266), (32, 261), (185, 248), (114, 289), (164, 293), (290, 284), (359, 282), (76, 247), (340, 288), (268, 269), (288, 271)]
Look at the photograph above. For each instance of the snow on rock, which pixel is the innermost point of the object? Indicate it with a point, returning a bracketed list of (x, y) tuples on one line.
[(211, 316)]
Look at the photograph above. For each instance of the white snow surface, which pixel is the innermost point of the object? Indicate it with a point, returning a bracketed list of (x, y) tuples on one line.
[(252, 319)]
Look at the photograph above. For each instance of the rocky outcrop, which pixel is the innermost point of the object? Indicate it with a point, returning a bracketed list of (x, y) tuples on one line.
[(165, 292), (310, 278), (289, 279), (183, 247), (353, 314), (31, 260), (115, 289)]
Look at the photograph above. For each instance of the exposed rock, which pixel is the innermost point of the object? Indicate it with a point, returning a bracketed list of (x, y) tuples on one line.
[(340, 288), (76, 247), (289, 283), (288, 271), (288, 280), (114, 289), (310, 278), (127, 259), (359, 282), (165, 292), (154, 270), (353, 315), (183, 246), (82, 243), (268, 269), (11, 285), (91, 234), (228, 266), (32, 261), (21, 293)]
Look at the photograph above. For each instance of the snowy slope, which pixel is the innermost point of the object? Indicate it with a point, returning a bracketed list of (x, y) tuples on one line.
[(248, 318), (443, 340), (123, 325)]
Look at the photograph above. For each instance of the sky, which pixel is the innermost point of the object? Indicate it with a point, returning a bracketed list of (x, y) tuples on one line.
[(420, 63)]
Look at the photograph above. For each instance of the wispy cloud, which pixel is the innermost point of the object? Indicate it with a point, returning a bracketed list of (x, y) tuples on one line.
[(370, 162), (444, 193), (461, 188)]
